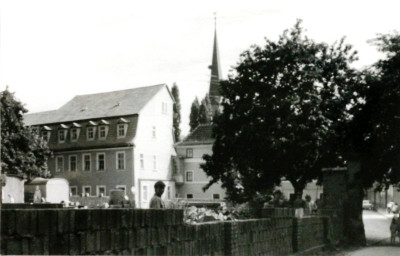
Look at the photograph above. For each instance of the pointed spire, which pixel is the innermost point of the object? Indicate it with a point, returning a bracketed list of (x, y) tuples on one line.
[(216, 74)]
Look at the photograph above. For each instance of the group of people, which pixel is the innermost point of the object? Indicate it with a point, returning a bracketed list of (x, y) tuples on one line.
[(301, 206)]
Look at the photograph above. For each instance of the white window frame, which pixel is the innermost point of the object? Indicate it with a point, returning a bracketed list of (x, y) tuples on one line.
[(125, 130), (76, 188), (117, 162), (105, 132), (57, 167), (76, 163), (186, 173), (145, 197), (188, 197), (77, 134), (98, 190), (121, 186), (87, 132), (64, 132), (97, 161), (153, 133), (46, 135), (84, 162), (187, 153), (90, 190), (154, 163), (141, 161)]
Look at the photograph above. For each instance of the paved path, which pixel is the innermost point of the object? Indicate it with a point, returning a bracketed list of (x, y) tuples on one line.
[(377, 231)]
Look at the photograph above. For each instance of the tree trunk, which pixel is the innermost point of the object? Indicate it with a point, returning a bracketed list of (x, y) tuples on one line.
[(353, 224)]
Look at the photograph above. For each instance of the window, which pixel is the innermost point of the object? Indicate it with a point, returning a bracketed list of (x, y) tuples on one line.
[(141, 162), (169, 192), (87, 190), (73, 190), (121, 187), (189, 176), (120, 160), (154, 132), (154, 163), (72, 163), (74, 134), (189, 153), (90, 133), (61, 136), (164, 108), (101, 161), (101, 190), (86, 162), (121, 130), (46, 135), (59, 163), (215, 196), (103, 130), (145, 191), (189, 196)]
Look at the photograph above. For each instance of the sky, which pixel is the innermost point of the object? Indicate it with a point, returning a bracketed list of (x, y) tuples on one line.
[(51, 51)]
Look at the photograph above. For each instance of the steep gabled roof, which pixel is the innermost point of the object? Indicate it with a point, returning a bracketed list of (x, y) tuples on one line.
[(92, 106), (201, 135)]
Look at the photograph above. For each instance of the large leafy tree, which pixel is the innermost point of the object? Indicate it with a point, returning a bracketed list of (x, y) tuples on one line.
[(283, 109), (374, 131), (23, 152), (177, 112)]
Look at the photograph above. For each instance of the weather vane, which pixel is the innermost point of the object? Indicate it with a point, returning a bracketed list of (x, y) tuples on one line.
[(215, 19)]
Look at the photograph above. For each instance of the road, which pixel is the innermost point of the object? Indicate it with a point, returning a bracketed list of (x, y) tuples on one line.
[(377, 231)]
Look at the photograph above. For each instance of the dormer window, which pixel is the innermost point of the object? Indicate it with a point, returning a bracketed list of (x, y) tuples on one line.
[(121, 130), (46, 132), (75, 131), (91, 130), (62, 133), (90, 133), (103, 130)]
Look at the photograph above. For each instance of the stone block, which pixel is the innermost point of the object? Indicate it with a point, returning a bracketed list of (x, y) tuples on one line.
[(82, 219), (82, 243), (43, 222), (90, 242), (14, 246), (74, 244), (53, 226), (10, 220), (125, 218), (22, 224), (71, 216), (96, 219), (36, 246), (105, 240)]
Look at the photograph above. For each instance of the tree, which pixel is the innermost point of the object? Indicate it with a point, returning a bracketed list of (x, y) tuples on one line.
[(177, 112), (194, 114), (283, 109), (204, 111), (23, 152)]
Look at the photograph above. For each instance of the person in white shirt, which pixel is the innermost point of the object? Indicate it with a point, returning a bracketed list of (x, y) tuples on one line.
[(156, 201)]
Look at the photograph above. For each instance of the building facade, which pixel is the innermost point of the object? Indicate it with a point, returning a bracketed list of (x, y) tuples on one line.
[(191, 179), (113, 140)]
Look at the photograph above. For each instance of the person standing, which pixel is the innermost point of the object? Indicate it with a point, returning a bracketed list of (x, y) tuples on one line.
[(299, 205), (156, 201)]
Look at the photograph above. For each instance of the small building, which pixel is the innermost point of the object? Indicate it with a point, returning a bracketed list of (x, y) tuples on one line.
[(53, 190), (13, 191), (190, 178)]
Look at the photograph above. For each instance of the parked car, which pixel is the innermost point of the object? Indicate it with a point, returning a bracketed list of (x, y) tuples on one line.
[(366, 204), (394, 208)]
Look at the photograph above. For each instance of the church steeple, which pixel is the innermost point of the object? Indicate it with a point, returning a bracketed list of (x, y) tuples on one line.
[(216, 75)]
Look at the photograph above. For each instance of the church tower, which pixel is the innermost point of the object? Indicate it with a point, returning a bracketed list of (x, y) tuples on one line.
[(216, 75)]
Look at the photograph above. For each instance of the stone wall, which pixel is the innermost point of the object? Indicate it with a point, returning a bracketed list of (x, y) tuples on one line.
[(151, 232)]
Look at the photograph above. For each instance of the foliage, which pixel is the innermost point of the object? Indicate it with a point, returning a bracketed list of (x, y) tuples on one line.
[(23, 152), (177, 112), (283, 111), (194, 114), (373, 133), (204, 111)]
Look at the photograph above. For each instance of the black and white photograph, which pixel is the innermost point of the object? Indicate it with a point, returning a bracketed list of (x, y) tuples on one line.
[(200, 127)]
